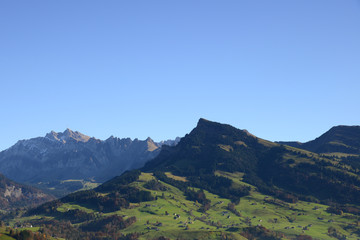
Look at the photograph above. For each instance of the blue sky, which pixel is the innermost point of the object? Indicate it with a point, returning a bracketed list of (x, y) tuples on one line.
[(284, 70)]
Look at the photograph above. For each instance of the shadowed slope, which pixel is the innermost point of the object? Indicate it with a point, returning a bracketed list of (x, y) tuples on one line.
[(14, 195)]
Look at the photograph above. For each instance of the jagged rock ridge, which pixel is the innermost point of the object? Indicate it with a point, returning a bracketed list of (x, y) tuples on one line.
[(73, 155)]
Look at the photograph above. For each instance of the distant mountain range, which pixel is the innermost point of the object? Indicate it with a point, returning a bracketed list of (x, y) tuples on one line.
[(63, 162)]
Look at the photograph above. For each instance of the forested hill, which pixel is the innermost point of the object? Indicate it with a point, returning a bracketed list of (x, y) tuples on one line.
[(209, 147), (15, 195), (273, 168)]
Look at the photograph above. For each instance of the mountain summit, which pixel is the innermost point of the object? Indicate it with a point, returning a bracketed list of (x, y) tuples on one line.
[(67, 135), (209, 147)]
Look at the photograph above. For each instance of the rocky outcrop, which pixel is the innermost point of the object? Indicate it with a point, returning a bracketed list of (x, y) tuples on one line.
[(14, 195)]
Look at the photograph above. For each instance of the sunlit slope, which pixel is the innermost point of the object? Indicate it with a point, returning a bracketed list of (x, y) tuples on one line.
[(175, 213)]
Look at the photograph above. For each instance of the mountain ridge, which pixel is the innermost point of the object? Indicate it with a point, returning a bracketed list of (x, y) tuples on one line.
[(226, 184), (212, 146), (341, 138), (67, 135), (47, 161)]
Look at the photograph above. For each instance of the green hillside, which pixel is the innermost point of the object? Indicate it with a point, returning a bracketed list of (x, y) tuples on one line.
[(178, 214)]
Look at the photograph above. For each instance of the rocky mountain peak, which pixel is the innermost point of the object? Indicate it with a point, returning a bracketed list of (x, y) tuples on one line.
[(203, 121), (151, 145), (67, 135)]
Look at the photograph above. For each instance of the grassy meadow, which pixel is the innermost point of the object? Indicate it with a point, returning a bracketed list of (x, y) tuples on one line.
[(175, 217)]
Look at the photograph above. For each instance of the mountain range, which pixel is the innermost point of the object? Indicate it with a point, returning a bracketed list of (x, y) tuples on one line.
[(224, 183), (63, 162)]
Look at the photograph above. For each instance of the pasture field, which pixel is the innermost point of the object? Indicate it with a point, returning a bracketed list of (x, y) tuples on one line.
[(172, 215)]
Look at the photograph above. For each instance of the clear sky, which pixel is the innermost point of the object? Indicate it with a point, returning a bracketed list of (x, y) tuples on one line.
[(284, 70)]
